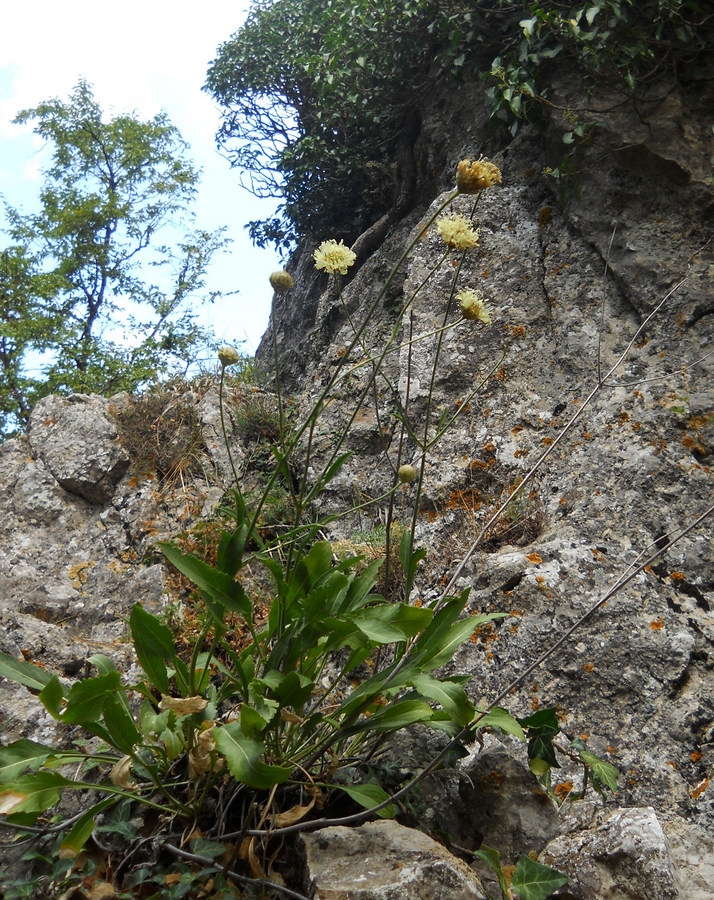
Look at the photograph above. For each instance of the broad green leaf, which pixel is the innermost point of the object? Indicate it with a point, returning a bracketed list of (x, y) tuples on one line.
[(376, 629), (22, 672), (82, 829), (500, 718), (103, 664), (20, 756), (408, 619), (32, 793), (120, 725), (218, 586), (452, 697), (51, 697), (492, 858), (243, 757), (396, 715), (294, 689), (533, 881), (153, 643), (86, 698), (369, 795), (231, 547), (602, 771), (441, 648)]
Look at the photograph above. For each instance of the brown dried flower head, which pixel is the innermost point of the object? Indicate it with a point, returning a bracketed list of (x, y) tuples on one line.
[(281, 281), (472, 177)]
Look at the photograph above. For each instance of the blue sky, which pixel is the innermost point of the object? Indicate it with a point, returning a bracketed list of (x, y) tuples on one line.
[(145, 57)]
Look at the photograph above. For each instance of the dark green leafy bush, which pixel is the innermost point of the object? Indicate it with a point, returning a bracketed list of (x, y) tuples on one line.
[(321, 97)]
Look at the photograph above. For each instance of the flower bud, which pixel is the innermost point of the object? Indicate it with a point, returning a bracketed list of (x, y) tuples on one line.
[(281, 281), (406, 474), (228, 356)]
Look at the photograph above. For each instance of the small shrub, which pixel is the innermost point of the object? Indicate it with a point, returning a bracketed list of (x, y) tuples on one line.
[(161, 433)]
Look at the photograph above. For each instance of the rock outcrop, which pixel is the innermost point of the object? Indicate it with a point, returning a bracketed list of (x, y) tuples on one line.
[(568, 286)]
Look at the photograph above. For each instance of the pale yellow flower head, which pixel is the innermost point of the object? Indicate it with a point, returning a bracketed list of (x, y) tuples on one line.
[(473, 306), (334, 257), (228, 356), (458, 232), (281, 281), (472, 177)]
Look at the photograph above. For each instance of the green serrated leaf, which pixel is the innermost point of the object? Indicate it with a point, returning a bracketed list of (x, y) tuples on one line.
[(449, 695), (51, 697), (533, 881), (153, 643), (243, 757), (219, 589), (120, 725), (85, 700), (21, 755)]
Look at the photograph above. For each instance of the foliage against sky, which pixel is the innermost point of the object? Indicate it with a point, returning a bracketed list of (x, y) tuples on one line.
[(316, 93), (70, 282)]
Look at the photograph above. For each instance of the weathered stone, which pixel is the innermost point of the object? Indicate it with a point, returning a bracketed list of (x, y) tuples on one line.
[(624, 856), (384, 861), (79, 444)]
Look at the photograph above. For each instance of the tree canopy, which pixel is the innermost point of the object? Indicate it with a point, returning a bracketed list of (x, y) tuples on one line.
[(317, 93), (74, 290)]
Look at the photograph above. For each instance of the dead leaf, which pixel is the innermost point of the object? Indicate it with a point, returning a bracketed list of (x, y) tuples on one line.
[(183, 706), (120, 774), (293, 815), (10, 801)]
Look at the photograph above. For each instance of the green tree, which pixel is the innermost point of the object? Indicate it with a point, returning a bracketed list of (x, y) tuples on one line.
[(74, 285), (321, 98)]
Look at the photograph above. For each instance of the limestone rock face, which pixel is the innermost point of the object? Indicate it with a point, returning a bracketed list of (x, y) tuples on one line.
[(570, 281), (384, 861), (623, 857), (79, 444)]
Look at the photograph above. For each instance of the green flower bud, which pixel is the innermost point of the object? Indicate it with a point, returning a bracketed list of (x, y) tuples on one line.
[(406, 474)]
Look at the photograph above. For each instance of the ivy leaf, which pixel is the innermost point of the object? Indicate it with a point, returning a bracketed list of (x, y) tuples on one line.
[(602, 772), (533, 881)]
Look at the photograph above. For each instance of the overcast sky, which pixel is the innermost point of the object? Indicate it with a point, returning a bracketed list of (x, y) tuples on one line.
[(145, 57)]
